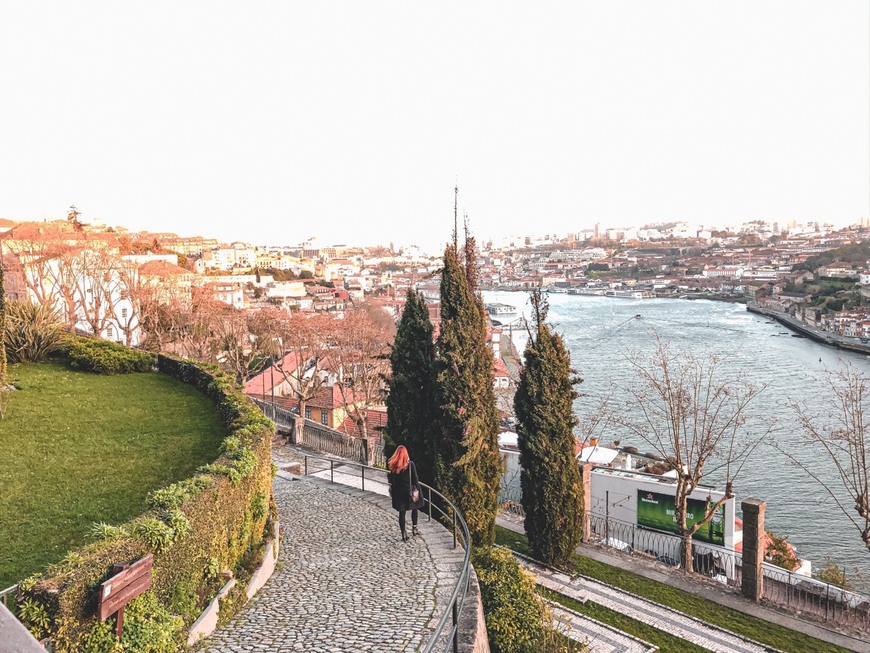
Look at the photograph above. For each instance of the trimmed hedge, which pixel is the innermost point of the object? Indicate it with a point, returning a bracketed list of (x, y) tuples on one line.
[(196, 528), (103, 357), (516, 617)]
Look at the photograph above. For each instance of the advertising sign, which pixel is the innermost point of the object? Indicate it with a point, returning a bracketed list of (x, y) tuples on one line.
[(658, 512)]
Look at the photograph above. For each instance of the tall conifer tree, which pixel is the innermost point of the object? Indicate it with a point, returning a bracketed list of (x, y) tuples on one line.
[(411, 404), (468, 465), (550, 477)]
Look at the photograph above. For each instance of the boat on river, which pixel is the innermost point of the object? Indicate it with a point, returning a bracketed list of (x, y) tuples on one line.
[(500, 309)]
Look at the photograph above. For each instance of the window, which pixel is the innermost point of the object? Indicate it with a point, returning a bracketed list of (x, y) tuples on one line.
[(110, 332), (124, 313), (324, 417), (307, 412)]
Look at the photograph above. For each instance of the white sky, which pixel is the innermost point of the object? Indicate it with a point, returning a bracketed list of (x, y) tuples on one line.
[(351, 121)]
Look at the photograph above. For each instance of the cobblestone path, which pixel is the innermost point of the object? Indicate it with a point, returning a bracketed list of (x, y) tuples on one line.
[(345, 580), (653, 614)]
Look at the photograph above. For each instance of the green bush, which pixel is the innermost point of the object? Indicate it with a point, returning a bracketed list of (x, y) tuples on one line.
[(148, 628), (32, 332), (516, 617), (103, 357), (195, 528)]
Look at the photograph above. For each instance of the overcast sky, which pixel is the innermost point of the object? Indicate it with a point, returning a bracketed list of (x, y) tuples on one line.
[(352, 121)]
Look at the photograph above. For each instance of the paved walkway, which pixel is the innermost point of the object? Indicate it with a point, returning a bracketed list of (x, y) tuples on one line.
[(598, 637), (344, 584), (653, 614)]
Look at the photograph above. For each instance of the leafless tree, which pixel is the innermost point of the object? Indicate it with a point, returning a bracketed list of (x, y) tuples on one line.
[(125, 293), (246, 340), (94, 281), (692, 412), (842, 436), (195, 324), (306, 341), (362, 349), (162, 302)]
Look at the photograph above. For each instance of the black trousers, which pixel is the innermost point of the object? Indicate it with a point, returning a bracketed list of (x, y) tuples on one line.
[(402, 518)]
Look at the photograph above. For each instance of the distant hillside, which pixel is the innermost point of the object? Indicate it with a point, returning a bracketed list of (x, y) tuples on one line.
[(855, 255)]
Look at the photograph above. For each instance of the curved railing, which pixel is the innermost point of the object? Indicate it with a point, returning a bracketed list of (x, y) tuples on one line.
[(447, 513)]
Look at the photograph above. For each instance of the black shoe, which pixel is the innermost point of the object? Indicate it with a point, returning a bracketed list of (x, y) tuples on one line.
[(405, 538), (414, 530)]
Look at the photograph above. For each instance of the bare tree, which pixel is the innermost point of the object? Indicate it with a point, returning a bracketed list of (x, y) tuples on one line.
[(95, 280), (125, 294), (195, 324), (692, 412), (246, 340), (161, 301), (841, 435), (306, 342), (29, 260), (362, 349)]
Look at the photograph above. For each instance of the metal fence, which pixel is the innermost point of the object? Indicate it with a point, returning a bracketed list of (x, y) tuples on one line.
[(782, 588), (708, 560), (826, 602), (445, 511), (324, 439), (8, 597)]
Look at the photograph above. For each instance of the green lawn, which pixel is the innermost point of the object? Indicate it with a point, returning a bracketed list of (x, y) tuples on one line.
[(77, 448), (692, 604)]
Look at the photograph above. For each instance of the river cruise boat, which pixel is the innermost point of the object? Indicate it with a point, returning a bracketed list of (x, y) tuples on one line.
[(501, 309)]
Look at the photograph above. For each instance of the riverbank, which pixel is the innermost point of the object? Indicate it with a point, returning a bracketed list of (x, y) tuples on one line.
[(823, 337)]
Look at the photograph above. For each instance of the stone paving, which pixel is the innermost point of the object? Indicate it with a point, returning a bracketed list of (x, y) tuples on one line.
[(344, 584), (598, 637), (653, 614)]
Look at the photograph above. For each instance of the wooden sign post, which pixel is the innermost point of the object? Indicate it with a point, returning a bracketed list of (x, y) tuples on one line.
[(116, 592)]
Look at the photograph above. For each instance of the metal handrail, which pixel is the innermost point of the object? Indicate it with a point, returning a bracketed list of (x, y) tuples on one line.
[(5, 594), (454, 515)]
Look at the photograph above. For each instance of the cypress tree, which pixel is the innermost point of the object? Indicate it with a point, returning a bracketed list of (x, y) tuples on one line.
[(468, 464), (411, 402), (550, 476)]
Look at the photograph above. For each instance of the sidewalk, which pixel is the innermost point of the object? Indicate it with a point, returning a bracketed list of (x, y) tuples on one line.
[(345, 580), (653, 614)]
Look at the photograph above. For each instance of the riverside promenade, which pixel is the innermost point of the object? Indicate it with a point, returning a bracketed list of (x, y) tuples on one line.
[(345, 581)]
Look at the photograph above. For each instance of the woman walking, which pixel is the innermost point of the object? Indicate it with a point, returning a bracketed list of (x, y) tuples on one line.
[(404, 489)]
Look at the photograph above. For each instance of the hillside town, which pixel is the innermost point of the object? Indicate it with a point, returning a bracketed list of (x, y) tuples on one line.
[(98, 275), (222, 302)]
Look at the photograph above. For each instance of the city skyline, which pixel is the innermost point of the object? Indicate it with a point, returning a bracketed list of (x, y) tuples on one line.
[(353, 126)]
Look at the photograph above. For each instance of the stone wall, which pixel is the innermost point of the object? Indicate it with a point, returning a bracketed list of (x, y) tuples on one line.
[(472, 627)]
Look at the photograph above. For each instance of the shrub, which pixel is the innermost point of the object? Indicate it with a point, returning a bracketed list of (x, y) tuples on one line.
[(780, 552), (104, 531), (32, 332), (515, 614), (834, 575), (103, 357), (148, 628)]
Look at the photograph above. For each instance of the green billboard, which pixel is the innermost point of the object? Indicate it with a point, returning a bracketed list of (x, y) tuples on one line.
[(657, 511)]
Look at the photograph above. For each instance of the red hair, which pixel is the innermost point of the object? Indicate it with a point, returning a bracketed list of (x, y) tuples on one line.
[(399, 460)]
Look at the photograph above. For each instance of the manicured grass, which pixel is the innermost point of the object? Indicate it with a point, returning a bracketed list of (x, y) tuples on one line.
[(692, 604), (78, 448)]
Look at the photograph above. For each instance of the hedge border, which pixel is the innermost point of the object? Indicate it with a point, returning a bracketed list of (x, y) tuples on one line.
[(199, 529)]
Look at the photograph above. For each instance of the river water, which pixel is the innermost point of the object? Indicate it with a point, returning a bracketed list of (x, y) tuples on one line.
[(601, 332)]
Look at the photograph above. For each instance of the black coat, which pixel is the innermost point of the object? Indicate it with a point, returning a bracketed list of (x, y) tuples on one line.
[(400, 488)]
